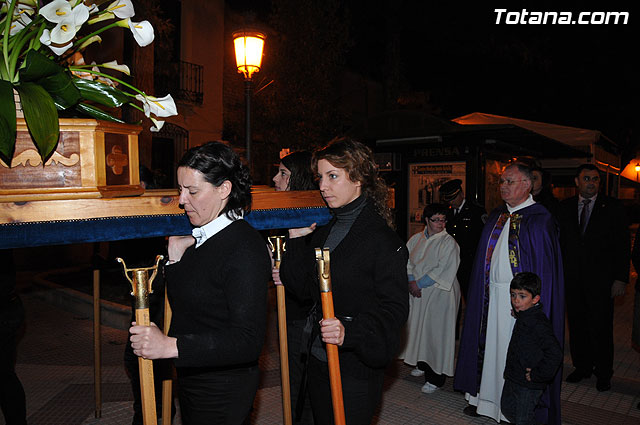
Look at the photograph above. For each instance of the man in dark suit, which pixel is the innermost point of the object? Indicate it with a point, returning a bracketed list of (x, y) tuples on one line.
[(465, 220), (594, 236)]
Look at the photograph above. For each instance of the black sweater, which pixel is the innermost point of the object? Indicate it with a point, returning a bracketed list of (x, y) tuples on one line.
[(369, 284), (218, 294), (533, 345)]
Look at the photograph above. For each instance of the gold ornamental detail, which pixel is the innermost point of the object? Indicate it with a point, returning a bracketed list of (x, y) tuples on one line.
[(31, 157)]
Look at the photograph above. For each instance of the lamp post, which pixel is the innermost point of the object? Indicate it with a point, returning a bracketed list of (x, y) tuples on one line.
[(637, 170), (248, 47)]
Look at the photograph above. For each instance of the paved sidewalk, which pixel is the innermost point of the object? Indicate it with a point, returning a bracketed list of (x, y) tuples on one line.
[(55, 364)]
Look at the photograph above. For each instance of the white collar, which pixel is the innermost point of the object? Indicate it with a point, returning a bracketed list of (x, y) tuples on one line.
[(582, 198), (436, 235), (211, 228), (461, 205), (527, 203)]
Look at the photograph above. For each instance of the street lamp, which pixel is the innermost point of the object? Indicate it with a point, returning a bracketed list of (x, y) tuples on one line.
[(637, 170), (248, 46)]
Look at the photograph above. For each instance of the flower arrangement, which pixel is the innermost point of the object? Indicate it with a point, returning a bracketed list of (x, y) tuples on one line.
[(42, 61)]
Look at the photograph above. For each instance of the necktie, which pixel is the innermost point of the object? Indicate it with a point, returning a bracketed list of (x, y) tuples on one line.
[(584, 215)]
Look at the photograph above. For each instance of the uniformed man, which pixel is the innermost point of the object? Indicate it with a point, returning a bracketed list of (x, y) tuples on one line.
[(465, 220)]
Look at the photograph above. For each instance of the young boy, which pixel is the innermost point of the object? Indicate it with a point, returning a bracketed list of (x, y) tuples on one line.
[(534, 354)]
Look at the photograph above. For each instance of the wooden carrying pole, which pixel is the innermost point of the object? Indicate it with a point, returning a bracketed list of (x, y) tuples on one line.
[(141, 288), (276, 243), (324, 276), (97, 343), (167, 383)]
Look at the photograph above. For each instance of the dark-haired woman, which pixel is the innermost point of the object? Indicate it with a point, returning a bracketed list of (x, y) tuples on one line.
[(434, 257), (294, 173), (217, 289), (369, 278)]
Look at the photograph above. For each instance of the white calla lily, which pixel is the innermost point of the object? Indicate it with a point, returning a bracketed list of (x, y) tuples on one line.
[(70, 24), (117, 67), (157, 125), (45, 39), (90, 40), (122, 9), (158, 106), (56, 11), (66, 28), (80, 14), (64, 31), (142, 32), (22, 18)]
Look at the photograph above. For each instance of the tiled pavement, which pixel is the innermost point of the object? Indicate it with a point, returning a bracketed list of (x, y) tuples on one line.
[(55, 358)]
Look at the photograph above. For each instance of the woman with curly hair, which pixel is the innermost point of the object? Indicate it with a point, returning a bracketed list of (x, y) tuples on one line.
[(217, 287), (369, 278)]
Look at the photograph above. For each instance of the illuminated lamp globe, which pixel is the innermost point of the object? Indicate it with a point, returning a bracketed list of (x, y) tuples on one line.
[(248, 47)]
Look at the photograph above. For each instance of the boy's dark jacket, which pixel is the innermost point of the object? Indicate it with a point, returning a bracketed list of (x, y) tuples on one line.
[(533, 345)]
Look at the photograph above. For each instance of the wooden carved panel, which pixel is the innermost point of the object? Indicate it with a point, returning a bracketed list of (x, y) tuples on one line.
[(61, 170), (116, 156)]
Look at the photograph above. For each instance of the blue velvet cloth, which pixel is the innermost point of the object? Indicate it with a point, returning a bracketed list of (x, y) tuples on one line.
[(20, 235)]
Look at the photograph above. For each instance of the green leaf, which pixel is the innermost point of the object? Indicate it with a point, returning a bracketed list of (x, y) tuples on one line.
[(96, 113), (60, 87), (41, 117), (101, 93), (7, 122), (37, 66)]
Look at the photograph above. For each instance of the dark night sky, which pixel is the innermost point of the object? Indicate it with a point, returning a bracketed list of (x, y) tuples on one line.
[(578, 75)]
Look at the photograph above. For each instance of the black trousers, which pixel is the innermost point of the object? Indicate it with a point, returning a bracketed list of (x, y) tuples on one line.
[(518, 403), (296, 342), (590, 317), (12, 397), (361, 396), (430, 376), (217, 397)]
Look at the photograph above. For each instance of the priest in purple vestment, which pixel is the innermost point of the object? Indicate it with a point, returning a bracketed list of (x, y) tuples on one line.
[(529, 243)]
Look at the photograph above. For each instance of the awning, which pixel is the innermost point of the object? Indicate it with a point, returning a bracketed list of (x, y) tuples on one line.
[(580, 138), (409, 127)]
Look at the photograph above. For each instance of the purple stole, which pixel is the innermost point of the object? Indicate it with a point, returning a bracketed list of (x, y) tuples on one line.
[(514, 261)]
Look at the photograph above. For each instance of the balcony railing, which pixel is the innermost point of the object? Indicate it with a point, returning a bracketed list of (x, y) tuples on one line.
[(182, 79)]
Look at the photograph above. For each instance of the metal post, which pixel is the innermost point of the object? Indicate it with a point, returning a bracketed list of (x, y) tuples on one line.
[(247, 131)]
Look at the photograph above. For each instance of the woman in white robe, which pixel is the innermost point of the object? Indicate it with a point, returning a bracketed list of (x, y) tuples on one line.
[(434, 298)]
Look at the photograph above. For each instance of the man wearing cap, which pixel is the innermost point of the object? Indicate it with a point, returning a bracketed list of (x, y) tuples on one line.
[(465, 220), (520, 236)]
